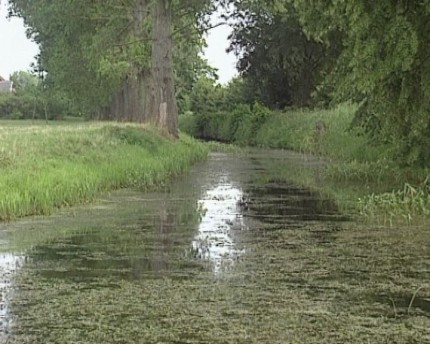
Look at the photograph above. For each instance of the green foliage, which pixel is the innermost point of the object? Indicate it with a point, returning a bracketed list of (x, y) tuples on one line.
[(16, 114), (48, 166), (24, 82), (224, 126), (133, 136), (188, 124), (275, 56), (383, 61), (365, 171), (248, 126), (409, 203), (324, 132), (19, 106), (238, 91), (375, 54), (206, 96), (295, 129), (32, 105), (90, 49)]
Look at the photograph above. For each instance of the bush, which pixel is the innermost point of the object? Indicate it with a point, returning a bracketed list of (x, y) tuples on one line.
[(250, 124), (27, 106), (188, 124), (18, 107), (326, 132), (240, 125)]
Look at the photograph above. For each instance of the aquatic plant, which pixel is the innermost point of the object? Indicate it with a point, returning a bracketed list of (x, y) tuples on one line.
[(407, 204)]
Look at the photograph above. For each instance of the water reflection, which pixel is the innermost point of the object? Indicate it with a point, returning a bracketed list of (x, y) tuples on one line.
[(220, 217), (9, 265), (165, 225)]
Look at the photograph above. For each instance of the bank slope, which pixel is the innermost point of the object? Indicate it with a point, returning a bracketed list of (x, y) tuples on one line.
[(43, 167)]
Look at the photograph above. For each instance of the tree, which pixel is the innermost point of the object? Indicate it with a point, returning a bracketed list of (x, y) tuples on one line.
[(24, 81), (276, 56), (207, 97), (383, 64), (115, 58), (161, 98)]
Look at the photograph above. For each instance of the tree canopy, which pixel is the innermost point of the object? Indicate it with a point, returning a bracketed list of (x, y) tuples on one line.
[(384, 64), (296, 52), (102, 53), (274, 53)]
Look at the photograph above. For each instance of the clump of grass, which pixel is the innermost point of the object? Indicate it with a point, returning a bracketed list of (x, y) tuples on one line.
[(60, 165), (407, 204), (366, 171)]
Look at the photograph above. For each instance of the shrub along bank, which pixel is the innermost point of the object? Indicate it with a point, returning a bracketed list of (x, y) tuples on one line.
[(43, 167), (362, 172), (326, 132)]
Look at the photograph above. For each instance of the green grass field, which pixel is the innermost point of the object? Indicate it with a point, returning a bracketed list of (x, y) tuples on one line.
[(44, 166)]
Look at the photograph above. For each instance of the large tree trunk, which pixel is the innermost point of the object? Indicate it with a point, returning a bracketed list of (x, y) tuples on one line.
[(160, 104), (137, 88), (127, 104), (149, 95)]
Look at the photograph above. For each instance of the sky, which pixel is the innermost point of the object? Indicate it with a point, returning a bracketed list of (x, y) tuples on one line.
[(17, 52), (216, 54)]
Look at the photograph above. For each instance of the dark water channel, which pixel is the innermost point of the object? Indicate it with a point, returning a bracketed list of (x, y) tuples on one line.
[(225, 254)]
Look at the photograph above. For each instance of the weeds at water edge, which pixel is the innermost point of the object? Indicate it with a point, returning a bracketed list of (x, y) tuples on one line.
[(408, 204)]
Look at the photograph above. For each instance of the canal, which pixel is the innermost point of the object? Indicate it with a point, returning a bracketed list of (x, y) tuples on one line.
[(225, 254)]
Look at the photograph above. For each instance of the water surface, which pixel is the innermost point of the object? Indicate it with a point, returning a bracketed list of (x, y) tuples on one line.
[(225, 254)]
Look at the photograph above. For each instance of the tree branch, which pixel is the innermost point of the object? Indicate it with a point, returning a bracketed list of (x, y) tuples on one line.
[(202, 30)]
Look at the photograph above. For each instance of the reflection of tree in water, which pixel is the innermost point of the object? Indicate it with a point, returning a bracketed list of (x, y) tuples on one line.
[(276, 202), (146, 238), (165, 225)]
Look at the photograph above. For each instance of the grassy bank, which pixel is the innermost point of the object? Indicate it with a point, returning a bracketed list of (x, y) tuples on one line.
[(360, 175), (48, 166), (295, 130)]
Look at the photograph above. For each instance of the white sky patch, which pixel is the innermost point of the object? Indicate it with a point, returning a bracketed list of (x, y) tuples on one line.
[(17, 52), (215, 53), (9, 266), (215, 238)]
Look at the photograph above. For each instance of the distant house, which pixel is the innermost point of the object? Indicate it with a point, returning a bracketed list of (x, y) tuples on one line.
[(5, 85)]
